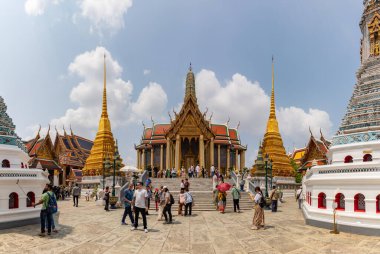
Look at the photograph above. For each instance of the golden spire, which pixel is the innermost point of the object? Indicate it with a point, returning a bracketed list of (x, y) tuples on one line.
[(104, 104), (272, 103), (104, 145), (272, 143), (190, 84)]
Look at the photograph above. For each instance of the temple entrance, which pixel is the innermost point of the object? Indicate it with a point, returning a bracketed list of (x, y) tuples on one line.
[(190, 153)]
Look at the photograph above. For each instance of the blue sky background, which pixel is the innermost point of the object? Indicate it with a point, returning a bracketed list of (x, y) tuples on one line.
[(315, 44)]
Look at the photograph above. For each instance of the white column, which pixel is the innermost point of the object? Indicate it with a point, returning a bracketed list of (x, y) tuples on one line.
[(143, 166)]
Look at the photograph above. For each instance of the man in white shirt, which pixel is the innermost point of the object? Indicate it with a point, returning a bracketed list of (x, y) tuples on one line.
[(188, 202), (140, 200), (197, 170)]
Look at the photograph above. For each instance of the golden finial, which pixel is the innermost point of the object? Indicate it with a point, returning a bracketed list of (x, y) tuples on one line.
[(104, 105), (272, 103)]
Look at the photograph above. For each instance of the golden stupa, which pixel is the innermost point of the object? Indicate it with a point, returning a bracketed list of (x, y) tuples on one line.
[(272, 144), (104, 144)]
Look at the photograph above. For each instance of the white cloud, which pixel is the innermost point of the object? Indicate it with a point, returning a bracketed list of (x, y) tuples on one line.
[(245, 101), (37, 7), (240, 99), (151, 102), (146, 72), (87, 96), (88, 93), (295, 122), (105, 14)]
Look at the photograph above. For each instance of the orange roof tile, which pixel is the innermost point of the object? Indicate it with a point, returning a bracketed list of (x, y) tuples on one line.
[(219, 129), (160, 129)]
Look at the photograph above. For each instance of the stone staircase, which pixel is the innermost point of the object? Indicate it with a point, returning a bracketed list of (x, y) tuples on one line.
[(201, 189)]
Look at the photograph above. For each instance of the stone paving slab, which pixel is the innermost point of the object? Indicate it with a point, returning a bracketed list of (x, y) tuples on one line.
[(89, 229)]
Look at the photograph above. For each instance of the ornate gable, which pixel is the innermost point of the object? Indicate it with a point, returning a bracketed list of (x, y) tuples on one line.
[(190, 122)]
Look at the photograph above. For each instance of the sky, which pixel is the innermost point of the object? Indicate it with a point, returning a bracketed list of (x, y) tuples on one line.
[(51, 64)]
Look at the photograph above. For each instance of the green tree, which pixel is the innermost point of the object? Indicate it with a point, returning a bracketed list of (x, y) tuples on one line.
[(298, 175)]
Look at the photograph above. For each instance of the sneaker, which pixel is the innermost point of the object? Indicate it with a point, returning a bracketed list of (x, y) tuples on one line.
[(55, 231), (133, 228), (49, 233), (42, 234), (146, 230), (123, 223)]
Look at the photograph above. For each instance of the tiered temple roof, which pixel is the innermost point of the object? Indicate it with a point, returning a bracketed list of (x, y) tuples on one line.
[(71, 149), (224, 135), (7, 128)]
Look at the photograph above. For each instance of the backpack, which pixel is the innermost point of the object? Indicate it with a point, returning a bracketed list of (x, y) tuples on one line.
[(52, 204), (262, 201), (172, 201)]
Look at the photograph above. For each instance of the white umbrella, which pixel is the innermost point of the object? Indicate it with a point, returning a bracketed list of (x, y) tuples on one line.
[(129, 168)]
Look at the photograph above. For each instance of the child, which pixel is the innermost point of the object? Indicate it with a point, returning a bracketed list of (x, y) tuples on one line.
[(156, 198)]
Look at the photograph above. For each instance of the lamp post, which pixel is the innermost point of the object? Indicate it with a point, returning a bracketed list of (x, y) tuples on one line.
[(106, 166), (271, 173), (116, 165), (266, 159)]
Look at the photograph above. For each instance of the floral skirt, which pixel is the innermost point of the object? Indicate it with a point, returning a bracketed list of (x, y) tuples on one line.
[(258, 218)]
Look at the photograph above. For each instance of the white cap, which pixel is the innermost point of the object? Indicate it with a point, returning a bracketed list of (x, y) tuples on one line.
[(165, 187)]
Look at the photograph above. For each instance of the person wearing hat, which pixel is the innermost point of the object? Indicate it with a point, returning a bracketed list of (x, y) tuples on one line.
[(274, 196)]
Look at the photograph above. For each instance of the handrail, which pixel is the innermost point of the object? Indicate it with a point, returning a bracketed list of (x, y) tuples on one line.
[(234, 177), (144, 176)]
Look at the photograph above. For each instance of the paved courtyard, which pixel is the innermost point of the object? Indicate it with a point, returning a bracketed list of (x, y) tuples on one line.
[(89, 229)]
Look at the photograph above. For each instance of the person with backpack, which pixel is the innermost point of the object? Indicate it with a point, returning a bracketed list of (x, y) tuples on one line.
[(274, 196), (54, 213), (258, 218), (236, 197), (46, 215), (169, 201)]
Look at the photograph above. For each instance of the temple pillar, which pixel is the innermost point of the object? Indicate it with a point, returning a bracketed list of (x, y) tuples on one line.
[(143, 166), (161, 158), (152, 158), (138, 158), (219, 158), (242, 159), (228, 161), (237, 169), (177, 155), (201, 152), (168, 150), (211, 154)]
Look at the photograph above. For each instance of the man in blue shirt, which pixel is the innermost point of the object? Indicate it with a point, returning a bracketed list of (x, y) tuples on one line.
[(128, 197)]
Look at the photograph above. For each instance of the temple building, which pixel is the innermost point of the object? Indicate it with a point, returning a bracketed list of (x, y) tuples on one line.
[(69, 152), (104, 143), (41, 152), (190, 139), (272, 143), (315, 153), (297, 155), (349, 184), (20, 186)]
